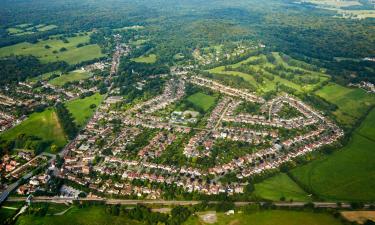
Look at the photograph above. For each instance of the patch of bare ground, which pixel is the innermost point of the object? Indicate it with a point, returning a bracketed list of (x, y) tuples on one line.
[(359, 216)]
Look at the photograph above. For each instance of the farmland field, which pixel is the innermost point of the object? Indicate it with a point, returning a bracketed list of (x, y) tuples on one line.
[(352, 103), (76, 75), (280, 186), (202, 100), (53, 53), (85, 216), (145, 59), (80, 108), (44, 125), (347, 174), (271, 217)]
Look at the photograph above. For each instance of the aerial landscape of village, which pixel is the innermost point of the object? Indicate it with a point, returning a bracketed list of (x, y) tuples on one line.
[(187, 112)]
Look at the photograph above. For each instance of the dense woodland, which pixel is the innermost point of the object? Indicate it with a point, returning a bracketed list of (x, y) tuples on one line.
[(180, 26)]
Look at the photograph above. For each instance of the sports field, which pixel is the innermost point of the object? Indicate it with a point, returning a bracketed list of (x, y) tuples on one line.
[(271, 79), (201, 100), (50, 50), (352, 102), (85, 216), (348, 173), (145, 59), (76, 75), (270, 217), (44, 125), (80, 108), (279, 186)]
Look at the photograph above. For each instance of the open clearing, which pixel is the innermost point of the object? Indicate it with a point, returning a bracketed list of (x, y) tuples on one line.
[(359, 216), (85, 216), (80, 108), (280, 186), (44, 125), (201, 100), (270, 217), (145, 59), (76, 75), (352, 102), (72, 55), (348, 173)]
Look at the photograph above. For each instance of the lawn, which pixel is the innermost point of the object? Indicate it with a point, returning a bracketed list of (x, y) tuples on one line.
[(145, 59), (44, 125), (271, 217), (280, 185), (348, 173), (85, 216), (76, 75), (202, 101), (367, 128), (352, 102), (72, 55), (80, 108)]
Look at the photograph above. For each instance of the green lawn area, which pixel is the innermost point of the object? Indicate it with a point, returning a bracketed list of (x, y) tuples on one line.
[(352, 102), (270, 217), (44, 125), (201, 100), (85, 216), (72, 55), (280, 185), (347, 174), (367, 128), (80, 108), (14, 30), (145, 59), (76, 75)]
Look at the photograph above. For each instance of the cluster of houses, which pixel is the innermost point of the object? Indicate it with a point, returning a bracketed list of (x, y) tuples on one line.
[(81, 158), (234, 92), (367, 86), (34, 184)]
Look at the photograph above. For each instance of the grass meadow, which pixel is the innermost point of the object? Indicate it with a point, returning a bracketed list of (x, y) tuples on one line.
[(44, 125), (146, 59), (352, 102), (76, 75), (346, 174), (80, 108), (278, 186), (72, 55)]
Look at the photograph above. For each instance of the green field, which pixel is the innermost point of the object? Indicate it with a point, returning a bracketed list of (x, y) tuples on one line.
[(278, 186), (72, 55), (201, 100), (85, 216), (76, 75), (80, 108), (145, 59), (347, 174), (270, 217), (43, 77), (352, 102), (8, 209), (260, 62), (44, 125)]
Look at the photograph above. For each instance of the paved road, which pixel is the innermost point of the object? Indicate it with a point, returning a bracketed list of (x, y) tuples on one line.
[(173, 202), (13, 186)]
